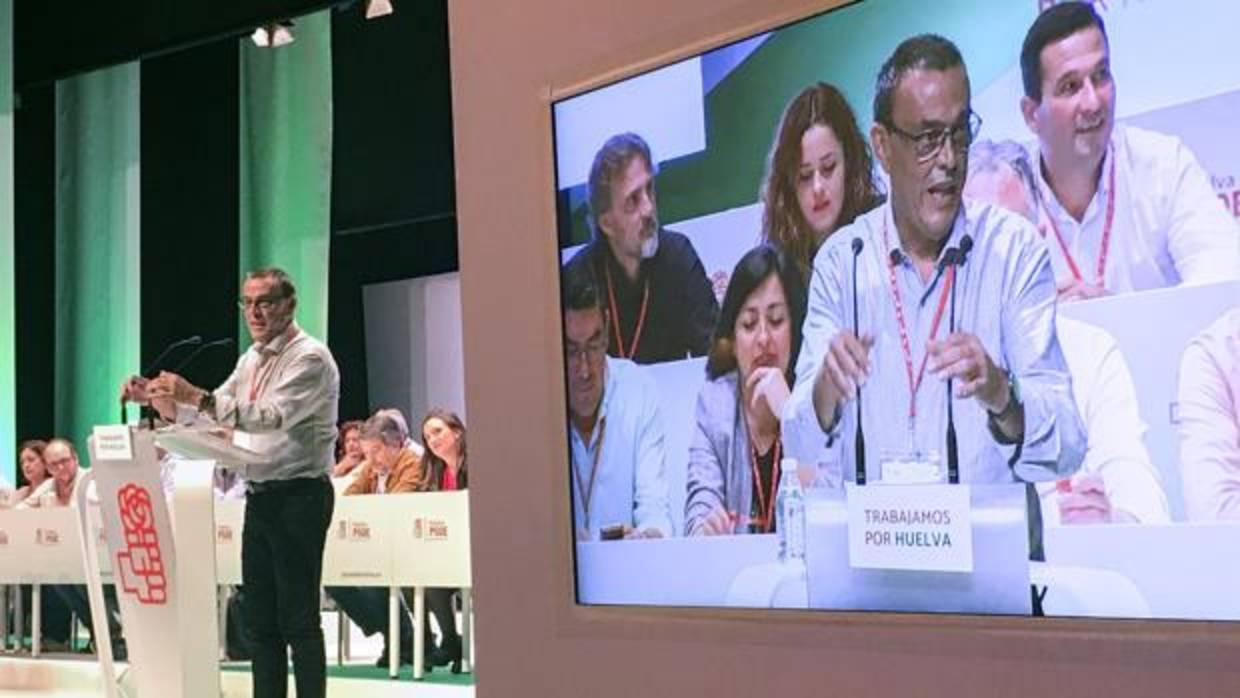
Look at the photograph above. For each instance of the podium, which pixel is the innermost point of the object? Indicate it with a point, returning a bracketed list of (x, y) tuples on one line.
[(162, 559)]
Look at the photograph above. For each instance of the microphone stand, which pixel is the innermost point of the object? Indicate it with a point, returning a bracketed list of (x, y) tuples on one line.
[(859, 441)]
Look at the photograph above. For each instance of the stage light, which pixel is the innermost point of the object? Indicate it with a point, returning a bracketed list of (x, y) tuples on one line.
[(273, 35), (378, 8)]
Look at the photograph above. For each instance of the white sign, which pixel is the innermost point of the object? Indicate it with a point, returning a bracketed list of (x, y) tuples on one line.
[(112, 442), (910, 527)]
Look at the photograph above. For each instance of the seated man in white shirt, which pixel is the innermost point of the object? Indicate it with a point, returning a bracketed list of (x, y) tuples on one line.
[(1122, 209), (58, 491), (1209, 421), (1117, 481), (620, 487)]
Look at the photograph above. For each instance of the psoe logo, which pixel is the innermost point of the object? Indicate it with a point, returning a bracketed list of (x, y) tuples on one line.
[(46, 536), (223, 534), (359, 531), (436, 529), (4, 538)]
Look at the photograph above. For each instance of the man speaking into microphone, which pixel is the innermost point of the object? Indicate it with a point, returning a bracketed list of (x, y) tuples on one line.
[(949, 296), (283, 395)]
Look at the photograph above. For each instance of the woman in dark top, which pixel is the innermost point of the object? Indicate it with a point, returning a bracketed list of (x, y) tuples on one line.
[(820, 175), (444, 468), (734, 454)]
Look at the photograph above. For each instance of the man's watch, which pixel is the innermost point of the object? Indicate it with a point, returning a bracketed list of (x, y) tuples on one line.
[(1013, 399), (206, 403)]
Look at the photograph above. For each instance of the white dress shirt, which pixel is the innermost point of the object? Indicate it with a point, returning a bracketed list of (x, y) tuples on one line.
[(282, 399), (1168, 229), (1115, 433), (1209, 420), (630, 481), (44, 496), (1005, 296)]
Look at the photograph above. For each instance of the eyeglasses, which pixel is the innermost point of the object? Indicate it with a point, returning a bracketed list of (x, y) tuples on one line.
[(264, 304), (927, 144), (592, 350)]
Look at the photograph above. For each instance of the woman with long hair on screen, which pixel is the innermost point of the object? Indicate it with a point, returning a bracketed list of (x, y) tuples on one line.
[(444, 468), (819, 175), (736, 446)]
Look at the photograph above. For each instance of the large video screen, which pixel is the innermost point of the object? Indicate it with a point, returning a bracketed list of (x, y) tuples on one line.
[(901, 309)]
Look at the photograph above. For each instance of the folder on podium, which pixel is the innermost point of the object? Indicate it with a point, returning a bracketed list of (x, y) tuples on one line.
[(998, 581), (163, 560)]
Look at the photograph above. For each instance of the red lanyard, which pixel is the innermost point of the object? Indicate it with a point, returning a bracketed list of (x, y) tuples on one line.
[(766, 502), (586, 490), (259, 382), (1106, 231), (615, 317), (915, 382)]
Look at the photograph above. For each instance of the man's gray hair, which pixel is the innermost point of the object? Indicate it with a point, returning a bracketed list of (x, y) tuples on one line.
[(384, 427), (988, 156)]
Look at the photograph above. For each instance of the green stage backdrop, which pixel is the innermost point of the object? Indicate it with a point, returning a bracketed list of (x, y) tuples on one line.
[(97, 252), (286, 163)]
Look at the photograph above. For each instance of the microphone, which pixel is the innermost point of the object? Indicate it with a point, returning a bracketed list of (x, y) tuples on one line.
[(859, 442), (958, 258), (146, 372), (188, 341), (226, 341)]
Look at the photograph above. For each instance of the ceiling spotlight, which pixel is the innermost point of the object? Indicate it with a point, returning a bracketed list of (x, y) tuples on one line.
[(378, 8), (273, 35)]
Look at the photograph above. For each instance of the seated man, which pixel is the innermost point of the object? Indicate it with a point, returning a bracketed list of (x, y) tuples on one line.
[(1122, 209), (1209, 421), (1117, 481), (389, 468), (662, 307), (58, 491), (614, 424)]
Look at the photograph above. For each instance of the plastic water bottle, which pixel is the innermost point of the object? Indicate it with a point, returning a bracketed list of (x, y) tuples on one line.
[(790, 514)]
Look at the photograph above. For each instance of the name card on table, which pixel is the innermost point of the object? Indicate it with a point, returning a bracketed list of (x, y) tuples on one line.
[(924, 528)]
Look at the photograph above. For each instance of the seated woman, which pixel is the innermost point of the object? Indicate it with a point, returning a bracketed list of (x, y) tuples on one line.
[(444, 466), (389, 468), (819, 175), (734, 454), (34, 470), (348, 449)]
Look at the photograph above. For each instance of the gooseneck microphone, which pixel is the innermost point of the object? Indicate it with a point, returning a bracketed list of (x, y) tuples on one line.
[(226, 341), (859, 442), (956, 259), (154, 365)]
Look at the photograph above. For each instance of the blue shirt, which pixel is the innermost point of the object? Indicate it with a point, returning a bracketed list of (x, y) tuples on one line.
[(629, 481), (1005, 295)]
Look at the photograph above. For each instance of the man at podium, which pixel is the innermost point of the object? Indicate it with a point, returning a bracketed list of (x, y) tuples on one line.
[(281, 400), (926, 289)]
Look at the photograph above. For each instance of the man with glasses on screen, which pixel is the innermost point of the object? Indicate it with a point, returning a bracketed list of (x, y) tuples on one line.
[(615, 429), (283, 397), (662, 305), (1122, 209), (1013, 410)]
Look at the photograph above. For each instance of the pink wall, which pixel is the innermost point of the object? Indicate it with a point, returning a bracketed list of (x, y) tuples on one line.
[(508, 56)]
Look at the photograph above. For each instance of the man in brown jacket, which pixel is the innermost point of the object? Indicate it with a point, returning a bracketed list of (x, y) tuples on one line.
[(389, 468)]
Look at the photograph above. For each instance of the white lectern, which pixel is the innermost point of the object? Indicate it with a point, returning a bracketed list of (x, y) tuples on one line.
[(163, 561)]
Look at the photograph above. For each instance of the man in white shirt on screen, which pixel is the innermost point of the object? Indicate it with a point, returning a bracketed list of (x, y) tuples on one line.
[(1208, 401), (1122, 209), (1117, 482), (615, 429)]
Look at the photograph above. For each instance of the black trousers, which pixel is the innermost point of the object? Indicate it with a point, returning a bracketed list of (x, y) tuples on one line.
[(282, 568), (368, 607), (439, 604)]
